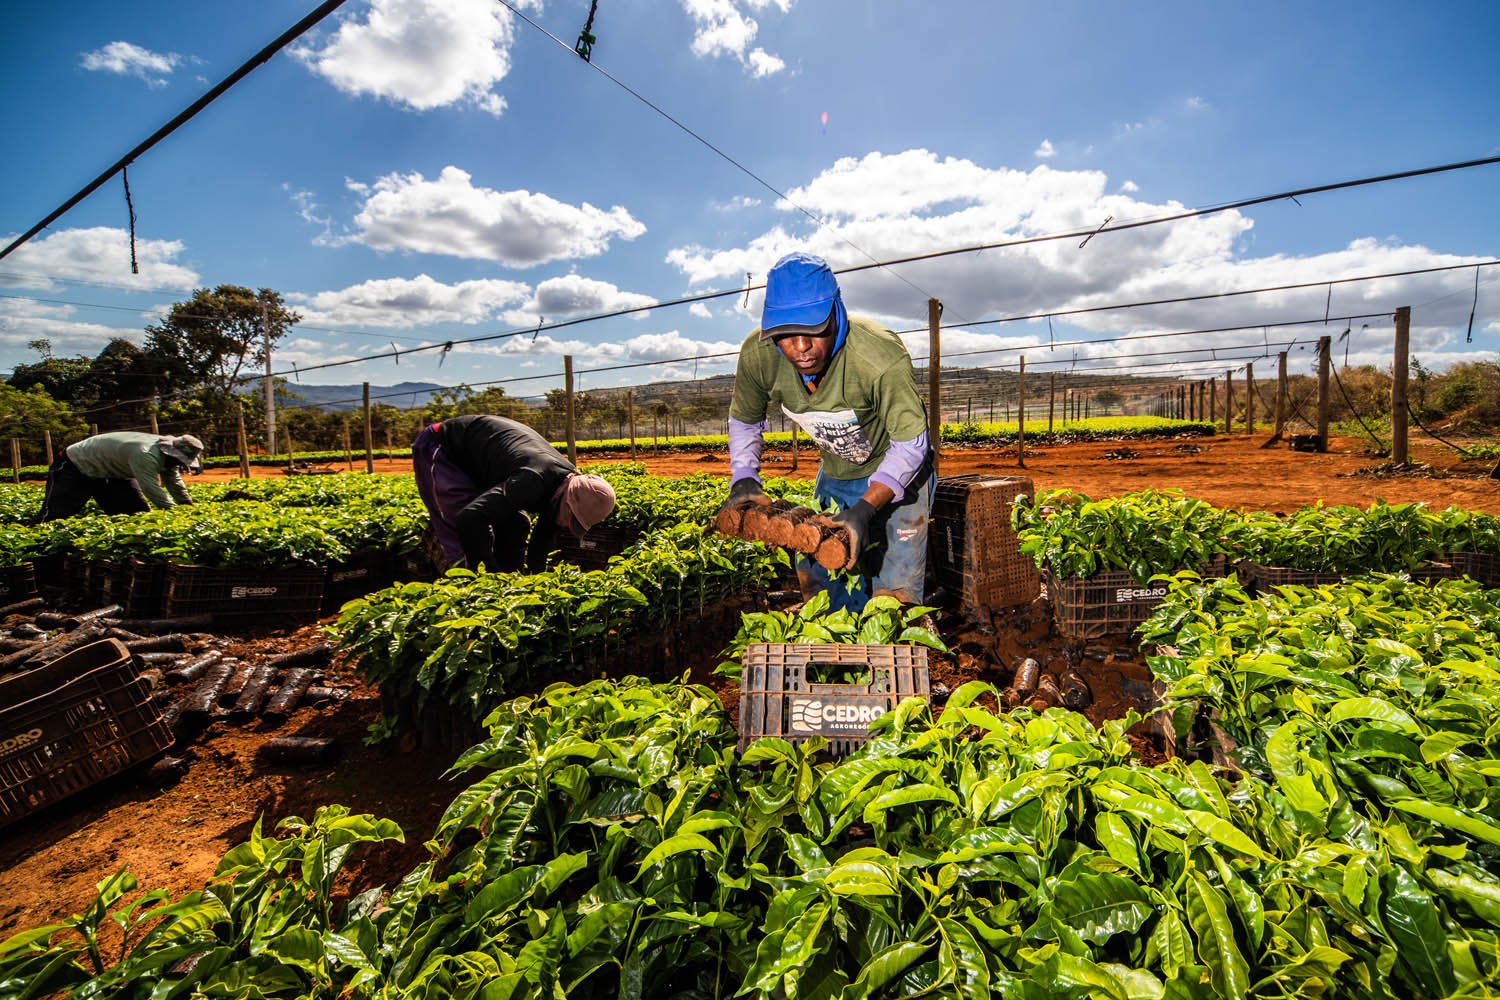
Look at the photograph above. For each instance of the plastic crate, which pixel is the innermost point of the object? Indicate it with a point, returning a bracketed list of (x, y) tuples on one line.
[(779, 698), (147, 590), (974, 553), (594, 549), (362, 573), (263, 596), (1259, 579), (109, 582), (1481, 567), (18, 583), (1107, 603), (71, 724)]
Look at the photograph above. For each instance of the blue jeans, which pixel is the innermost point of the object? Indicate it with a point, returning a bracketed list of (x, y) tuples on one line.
[(895, 559)]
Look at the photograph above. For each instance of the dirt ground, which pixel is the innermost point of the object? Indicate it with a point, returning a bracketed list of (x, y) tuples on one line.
[(171, 837)]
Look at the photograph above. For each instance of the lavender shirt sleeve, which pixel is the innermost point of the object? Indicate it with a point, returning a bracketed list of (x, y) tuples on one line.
[(900, 466), (745, 443)]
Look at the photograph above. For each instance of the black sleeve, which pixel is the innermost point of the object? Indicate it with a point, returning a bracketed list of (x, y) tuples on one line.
[(494, 527)]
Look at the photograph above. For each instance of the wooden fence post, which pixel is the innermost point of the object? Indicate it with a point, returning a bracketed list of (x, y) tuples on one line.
[(1281, 387), (369, 433), (934, 383), (1325, 348), (568, 395), (1399, 453), (241, 442), (47, 447), (15, 459), (1250, 397), (1021, 415), (1051, 399)]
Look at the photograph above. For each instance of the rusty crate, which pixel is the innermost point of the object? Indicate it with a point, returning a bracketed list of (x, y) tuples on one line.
[(246, 596), (597, 546), (780, 696), (71, 724), (1107, 603), (1481, 567), (18, 583), (974, 552)]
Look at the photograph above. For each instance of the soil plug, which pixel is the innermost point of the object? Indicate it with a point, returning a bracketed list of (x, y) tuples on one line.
[(160, 659), (205, 697), (53, 619), (26, 630), (316, 695), (253, 696), (22, 607), (1075, 691), (237, 681), (174, 642), (314, 655), (1025, 681), (96, 615), (298, 750), (158, 625), (292, 690), (166, 771), (1047, 695), (191, 670)]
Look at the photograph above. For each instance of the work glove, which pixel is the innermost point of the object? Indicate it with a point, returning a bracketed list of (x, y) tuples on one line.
[(746, 490), (856, 520)]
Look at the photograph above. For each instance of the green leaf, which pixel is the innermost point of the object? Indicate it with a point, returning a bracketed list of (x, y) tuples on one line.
[(1217, 947), (1417, 931)]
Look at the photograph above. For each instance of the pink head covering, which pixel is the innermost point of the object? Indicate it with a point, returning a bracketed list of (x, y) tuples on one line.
[(584, 501)]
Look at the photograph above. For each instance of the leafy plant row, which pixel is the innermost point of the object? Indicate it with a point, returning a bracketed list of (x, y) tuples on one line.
[(614, 845), (471, 639), (1151, 532), (884, 621), (1370, 708)]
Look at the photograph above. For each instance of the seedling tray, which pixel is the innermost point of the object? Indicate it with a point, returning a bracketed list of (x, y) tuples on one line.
[(781, 696), (266, 596)]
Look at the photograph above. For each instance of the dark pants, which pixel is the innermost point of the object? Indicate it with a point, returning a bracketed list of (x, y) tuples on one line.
[(445, 490), (68, 490)]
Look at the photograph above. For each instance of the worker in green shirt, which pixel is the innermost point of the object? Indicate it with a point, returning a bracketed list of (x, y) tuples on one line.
[(848, 383), (124, 472)]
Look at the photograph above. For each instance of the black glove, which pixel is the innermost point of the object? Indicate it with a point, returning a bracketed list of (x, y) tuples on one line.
[(746, 490), (857, 520)]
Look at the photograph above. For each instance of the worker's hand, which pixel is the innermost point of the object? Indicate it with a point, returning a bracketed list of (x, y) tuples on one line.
[(856, 520), (746, 490)]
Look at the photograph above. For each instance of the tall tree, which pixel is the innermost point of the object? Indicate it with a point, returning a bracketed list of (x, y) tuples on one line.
[(208, 341)]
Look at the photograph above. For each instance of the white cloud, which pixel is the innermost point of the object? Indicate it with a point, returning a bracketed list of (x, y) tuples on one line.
[(900, 205), (721, 28), (420, 54), (100, 254), (125, 59), (574, 295), (451, 216), (1129, 187), (736, 204), (25, 320), (664, 347), (699, 310), (1195, 103), (1045, 151), (409, 302)]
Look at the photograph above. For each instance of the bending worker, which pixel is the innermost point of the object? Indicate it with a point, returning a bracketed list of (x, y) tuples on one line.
[(120, 471), (848, 383), (481, 475)]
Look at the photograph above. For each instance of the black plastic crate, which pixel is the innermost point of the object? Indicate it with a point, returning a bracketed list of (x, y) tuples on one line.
[(71, 724), (780, 697), (362, 573), (1107, 603), (974, 552), (147, 589), (262, 596), (18, 583), (1482, 567), (597, 546)]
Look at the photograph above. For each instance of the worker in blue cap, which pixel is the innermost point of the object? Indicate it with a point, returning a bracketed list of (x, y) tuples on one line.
[(848, 383)]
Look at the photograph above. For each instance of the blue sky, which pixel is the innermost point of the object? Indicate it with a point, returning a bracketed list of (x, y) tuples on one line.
[(415, 171)]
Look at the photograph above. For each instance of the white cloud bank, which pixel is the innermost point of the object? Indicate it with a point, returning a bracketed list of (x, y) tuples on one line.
[(97, 254), (126, 59), (420, 54), (451, 216), (913, 202), (404, 303)]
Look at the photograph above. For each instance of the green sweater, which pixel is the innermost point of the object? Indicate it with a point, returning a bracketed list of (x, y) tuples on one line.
[(131, 455), (866, 399)]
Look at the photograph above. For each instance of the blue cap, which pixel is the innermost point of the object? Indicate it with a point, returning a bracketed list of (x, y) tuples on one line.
[(801, 295)]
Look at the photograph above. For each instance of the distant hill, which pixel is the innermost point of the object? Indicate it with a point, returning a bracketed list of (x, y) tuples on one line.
[(403, 395)]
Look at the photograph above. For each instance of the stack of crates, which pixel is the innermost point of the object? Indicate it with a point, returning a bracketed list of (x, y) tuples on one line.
[(974, 552)]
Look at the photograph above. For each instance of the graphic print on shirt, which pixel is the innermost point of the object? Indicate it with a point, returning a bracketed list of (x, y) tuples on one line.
[(836, 432)]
